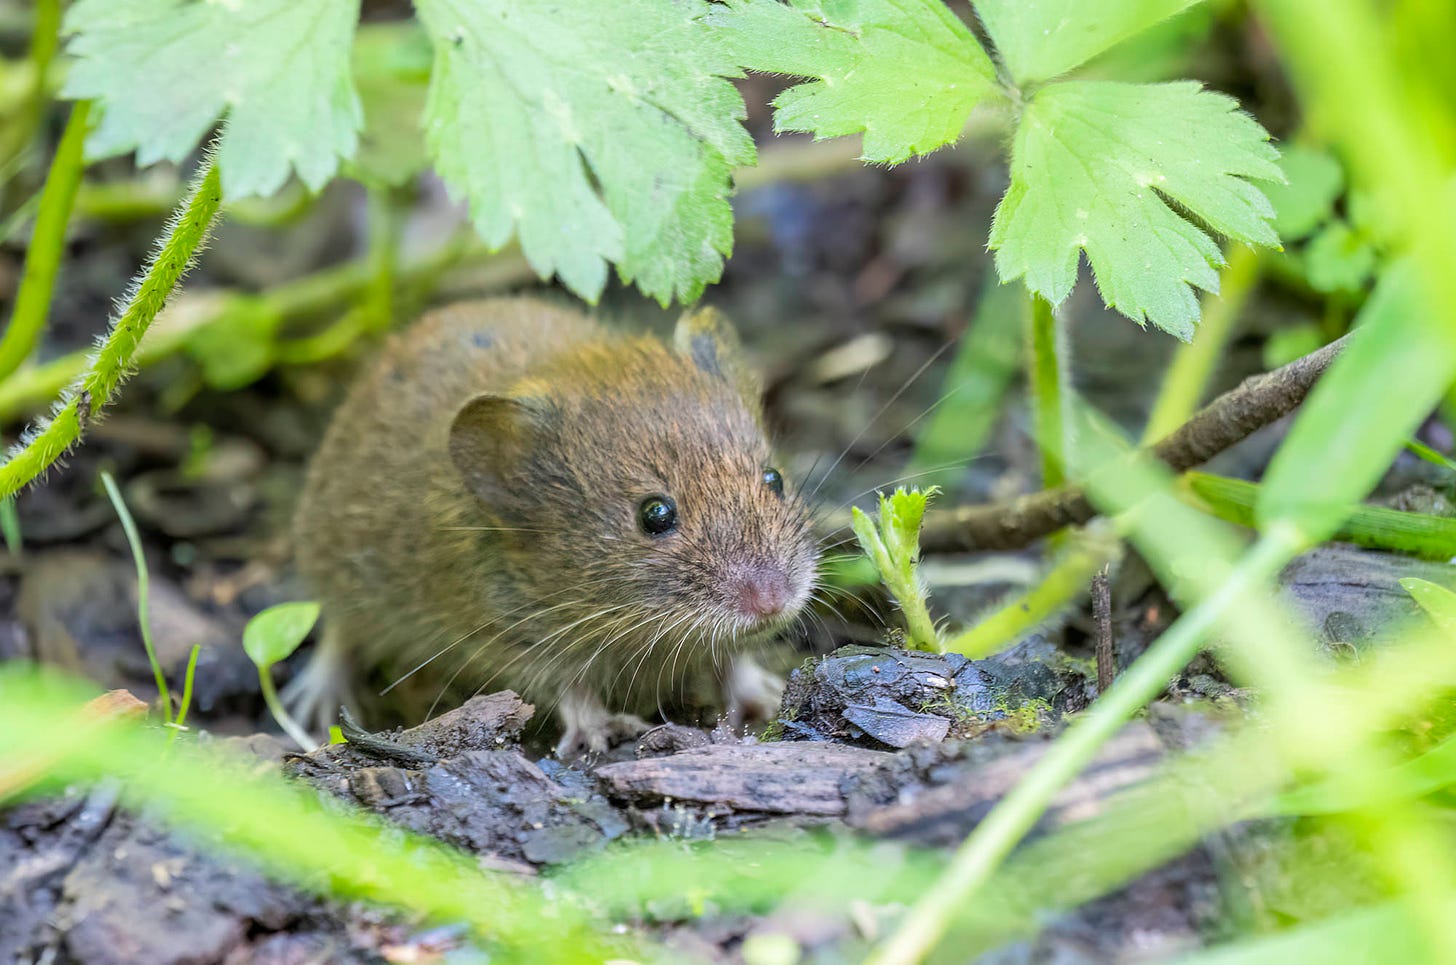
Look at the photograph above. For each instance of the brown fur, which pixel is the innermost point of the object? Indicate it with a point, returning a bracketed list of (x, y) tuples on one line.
[(504, 531)]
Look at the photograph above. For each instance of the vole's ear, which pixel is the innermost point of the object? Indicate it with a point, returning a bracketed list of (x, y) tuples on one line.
[(706, 337), (491, 437)]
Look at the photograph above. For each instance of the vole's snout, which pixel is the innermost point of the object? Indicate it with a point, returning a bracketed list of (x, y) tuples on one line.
[(760, 592)]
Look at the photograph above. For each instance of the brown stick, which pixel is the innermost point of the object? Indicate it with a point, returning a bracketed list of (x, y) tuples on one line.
[(1230, 418), (1102, 619)]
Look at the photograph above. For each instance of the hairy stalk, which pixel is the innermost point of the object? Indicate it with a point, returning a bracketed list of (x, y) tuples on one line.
[(186, 233), (43, 255), (1193, 366)]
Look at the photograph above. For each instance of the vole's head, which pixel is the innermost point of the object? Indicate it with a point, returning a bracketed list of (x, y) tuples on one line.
[(640, 482)]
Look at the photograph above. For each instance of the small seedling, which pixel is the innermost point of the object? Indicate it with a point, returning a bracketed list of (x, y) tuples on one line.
[(271, 637), (143, 591), (893, 544)]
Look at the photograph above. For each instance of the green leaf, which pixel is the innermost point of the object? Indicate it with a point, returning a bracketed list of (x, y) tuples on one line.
[(906, 73), (1438, 601), (595, 132), (275, 633), (1358, 417), (1338, 260), (1313, 181), (1039, 39), (1094, 167), (166, 71)]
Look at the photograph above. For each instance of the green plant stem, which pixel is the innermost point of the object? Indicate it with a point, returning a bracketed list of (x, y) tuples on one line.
[(280, 714), (969, 406), (306, 297), (184, 238), (1062, 585), (1047, 356), (383, 258), (47, 243), (1420, 534), (187, 680), (1187, 379), (1016, 814), (10, 526), (144, 621), (45, 39)]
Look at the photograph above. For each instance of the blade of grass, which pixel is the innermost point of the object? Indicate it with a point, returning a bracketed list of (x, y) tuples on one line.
[(1430, 455), (1376, 527), (134, 540), (47, 243), (290, 832), (1009, 821), (45, 38), (187, 679), (1381, 933)]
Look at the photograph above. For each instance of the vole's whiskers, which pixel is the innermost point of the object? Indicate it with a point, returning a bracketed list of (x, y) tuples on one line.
[(820, 511), (433, 657), (881, 411)]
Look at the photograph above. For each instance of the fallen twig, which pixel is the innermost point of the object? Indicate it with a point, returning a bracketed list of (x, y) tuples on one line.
[(1228, 419)]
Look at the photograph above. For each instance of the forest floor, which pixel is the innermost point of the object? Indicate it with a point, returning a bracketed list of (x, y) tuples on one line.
[(850, 289)]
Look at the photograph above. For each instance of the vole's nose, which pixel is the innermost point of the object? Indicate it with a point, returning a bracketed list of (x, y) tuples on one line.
[(760, 591)]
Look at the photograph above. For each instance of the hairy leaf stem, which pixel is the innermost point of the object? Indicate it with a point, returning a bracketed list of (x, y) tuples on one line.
[(186, 233)]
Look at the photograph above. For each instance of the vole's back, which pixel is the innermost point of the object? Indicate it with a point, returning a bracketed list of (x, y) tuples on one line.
[(481, 505), (373, 526)]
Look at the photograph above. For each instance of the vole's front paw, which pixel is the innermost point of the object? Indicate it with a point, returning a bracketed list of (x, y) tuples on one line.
[(313, 698), (588, 727), (752, 694)]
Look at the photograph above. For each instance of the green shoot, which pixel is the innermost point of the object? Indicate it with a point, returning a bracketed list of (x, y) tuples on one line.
[(1064, 583), (893, 544), (270, 637), (134, 540), (181, 722)]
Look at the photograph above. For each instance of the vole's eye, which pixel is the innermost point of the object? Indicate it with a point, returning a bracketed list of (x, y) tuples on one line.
[(774, 480), (657, 515)]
